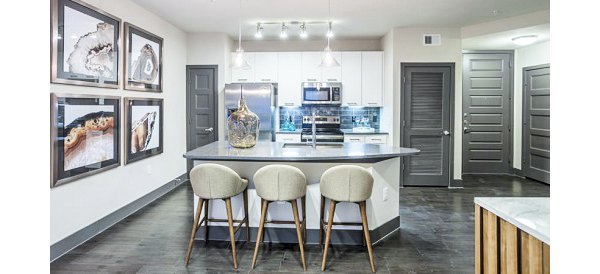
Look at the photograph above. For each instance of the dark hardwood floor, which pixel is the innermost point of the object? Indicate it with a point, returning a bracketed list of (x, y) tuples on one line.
[(436, 236)]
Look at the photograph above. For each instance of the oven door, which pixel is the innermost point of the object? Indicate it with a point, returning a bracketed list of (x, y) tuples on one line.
[(316, 95), (326, 138)]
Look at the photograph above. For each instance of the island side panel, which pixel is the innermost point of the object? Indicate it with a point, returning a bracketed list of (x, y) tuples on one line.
[(386, 174)]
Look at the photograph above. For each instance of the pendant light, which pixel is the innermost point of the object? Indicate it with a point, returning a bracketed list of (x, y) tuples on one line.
[(239, 62), (328, 60)]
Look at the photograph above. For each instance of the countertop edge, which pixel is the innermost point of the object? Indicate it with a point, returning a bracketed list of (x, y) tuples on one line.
[(531, 231)]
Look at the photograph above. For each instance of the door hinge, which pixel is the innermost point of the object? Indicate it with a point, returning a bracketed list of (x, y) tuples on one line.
[(510, 63), (402, 166), (403, 123), (403, 79)]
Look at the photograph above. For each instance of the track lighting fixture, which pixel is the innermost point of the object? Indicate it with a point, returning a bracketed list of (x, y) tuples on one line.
[(258, 33), (303, 33), (329, 31), (283, 34)]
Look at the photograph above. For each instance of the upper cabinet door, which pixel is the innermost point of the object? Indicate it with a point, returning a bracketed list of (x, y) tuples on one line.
[(290, 79), (311, 72), (351, 78), (265, 67), (243, 75), (333, 74), (372, 78)]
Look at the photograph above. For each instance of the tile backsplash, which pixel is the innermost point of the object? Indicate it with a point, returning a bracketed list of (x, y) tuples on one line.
[(348, 115)]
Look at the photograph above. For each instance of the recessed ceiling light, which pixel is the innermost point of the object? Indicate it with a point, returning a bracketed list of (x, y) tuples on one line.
[(525, 40)]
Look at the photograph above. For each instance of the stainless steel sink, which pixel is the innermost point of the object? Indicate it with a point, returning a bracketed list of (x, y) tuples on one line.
[(303, 145)]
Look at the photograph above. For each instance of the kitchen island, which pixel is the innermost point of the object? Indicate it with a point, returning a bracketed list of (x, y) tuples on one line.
[(382, 208)]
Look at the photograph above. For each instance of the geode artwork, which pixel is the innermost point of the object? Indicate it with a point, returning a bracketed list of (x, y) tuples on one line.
[(85, 45), (93, 54), (143, 62), (141, 132), (143, 123)]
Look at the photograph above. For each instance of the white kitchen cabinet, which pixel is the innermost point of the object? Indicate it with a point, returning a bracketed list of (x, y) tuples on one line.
[(353, 138), (288, 137), (265, 67), (289, 70), (372, 78), (243, 75), (351, 78), (378, 139), (311, 72), (333, 74)]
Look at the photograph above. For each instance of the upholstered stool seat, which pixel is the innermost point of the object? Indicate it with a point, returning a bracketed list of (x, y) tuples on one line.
[(213, 181), (345, 183), (281, 183)]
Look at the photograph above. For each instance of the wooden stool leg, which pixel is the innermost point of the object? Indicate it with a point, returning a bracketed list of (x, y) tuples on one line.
[(328, 234), (231, 231), (205, 221), (298, 231), (363, 215), (322, 212), (246, 215), (303, 199), (259, 235), (194, 229)]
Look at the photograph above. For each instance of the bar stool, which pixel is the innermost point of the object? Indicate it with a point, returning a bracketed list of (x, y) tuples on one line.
[(345, 183), (210, 182), (281, 183)]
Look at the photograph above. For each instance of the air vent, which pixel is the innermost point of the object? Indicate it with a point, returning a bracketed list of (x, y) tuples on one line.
[(432, 39)]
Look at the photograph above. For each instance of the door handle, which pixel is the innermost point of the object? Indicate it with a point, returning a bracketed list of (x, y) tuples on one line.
[(210, 129), (466, 130), (445, 133)]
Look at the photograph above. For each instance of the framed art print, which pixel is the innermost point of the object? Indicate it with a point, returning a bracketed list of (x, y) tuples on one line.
[(143, 128), (85, 135), (85, 45), (143, 60)]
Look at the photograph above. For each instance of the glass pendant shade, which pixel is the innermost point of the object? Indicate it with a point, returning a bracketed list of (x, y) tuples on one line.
[(242, 126), (328, 60), (239, 62)]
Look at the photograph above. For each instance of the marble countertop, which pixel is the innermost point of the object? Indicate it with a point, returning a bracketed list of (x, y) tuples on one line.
[(275, 152), (531, 215), (377, 131)]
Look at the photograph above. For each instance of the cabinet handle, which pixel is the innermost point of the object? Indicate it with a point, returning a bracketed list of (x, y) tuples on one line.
[(242, 80), (266, 80), (353, 139), (288, 104), (332, 80), (311, 80), (352, 104), (375, 139), (372, 104)]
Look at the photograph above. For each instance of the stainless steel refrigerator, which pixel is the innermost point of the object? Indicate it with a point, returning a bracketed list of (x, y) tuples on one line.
[(260, 98)]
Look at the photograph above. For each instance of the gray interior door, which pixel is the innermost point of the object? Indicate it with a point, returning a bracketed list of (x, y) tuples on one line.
[(201, 106), (427, 124), (536, 123), (487, 81)]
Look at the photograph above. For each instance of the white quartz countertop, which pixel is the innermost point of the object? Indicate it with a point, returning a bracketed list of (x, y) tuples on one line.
[(530, 214)]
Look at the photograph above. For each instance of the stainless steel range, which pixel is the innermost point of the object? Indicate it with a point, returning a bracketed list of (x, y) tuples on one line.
[(327, 129)]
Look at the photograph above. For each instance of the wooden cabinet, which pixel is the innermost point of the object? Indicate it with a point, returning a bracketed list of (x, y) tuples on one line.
[(243, 75), (289, 70), (265, 67), (501, 247), (287, 137), (372, 78), (351, 75)]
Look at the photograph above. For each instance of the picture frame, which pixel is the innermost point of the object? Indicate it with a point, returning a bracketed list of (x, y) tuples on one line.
[(143, 128), (84, 45), (84, 136), (143, 60)]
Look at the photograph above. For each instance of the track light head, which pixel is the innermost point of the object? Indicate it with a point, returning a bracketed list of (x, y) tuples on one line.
[(258, 33), (303, 33), (330, 31), (283, 34)]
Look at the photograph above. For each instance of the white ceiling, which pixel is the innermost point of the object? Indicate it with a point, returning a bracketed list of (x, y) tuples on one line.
[(351, 18), (503, 40)]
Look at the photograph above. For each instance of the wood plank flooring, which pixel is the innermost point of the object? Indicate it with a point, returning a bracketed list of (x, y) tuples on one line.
[(436, 236)]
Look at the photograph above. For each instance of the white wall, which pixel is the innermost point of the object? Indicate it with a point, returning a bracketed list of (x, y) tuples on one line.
[(77, 204), (408, 47), (532, 55), (388, 119), (212, 48)]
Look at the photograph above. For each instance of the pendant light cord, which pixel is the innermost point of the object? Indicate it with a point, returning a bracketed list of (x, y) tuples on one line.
[(240, 28)]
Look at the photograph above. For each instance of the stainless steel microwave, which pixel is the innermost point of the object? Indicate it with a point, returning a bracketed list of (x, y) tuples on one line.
[(321, 93)]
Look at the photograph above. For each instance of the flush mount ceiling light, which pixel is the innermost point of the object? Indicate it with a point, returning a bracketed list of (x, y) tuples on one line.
[(525, 40), (328, 60), (303, 33), (258, 33), (283, 34), (239, 62)]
